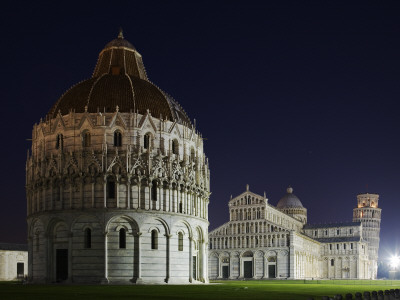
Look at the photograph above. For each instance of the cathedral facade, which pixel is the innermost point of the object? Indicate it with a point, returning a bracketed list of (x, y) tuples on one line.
[(262, 241), (117, 182)]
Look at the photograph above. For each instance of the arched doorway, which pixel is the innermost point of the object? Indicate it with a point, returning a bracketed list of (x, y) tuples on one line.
[(271, 267), (247, 259)]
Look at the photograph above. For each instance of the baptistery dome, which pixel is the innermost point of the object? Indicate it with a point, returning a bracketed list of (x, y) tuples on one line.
[(119, 79), (117, 182)]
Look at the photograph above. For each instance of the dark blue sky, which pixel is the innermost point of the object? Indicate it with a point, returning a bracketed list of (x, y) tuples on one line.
[(293, 93)]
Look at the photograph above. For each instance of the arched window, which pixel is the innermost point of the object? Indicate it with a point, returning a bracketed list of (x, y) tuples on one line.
[(88, 238), (180, 241), (59, 141), (117, 138), (146, 141), (122, 238), (86, 139), (111, 189), (180, 207), (154, 239), (332, 262), (175, 147), (154, 191)]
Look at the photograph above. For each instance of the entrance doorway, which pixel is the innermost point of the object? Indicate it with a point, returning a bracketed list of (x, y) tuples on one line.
[(61, 264), (20, 270), (271, 271), (225, 272), (248, 269)]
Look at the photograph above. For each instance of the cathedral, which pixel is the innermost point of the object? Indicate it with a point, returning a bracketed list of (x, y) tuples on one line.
[(262, 241), (117, 182)]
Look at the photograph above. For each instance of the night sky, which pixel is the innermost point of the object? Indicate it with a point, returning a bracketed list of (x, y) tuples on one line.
[(293, 93)]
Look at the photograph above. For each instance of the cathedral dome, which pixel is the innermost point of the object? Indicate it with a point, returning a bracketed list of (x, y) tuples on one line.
[(119, 80), (290, 200)]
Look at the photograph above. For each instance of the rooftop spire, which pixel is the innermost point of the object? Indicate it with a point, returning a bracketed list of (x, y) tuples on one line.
[(121, 33)]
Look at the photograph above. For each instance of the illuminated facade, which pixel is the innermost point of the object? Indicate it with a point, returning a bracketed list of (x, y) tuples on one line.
[(117, 182), (262, 241)]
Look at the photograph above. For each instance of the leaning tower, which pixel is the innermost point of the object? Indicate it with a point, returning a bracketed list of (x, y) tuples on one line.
[(368, 213)]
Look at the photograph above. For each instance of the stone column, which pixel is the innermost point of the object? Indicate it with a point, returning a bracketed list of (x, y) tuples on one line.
[(117, 181), (254, 266), (139, 262), (161, 200), (128, 192), (139, 187), (190, 260), (205, 262), (241, 275), (93, 182), (70, 192), (105, 278), (105, 191), (147, 197), (168, 267), (265, 264)]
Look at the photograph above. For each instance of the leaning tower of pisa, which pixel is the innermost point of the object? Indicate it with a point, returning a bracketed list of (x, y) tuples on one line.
[(369, 214)]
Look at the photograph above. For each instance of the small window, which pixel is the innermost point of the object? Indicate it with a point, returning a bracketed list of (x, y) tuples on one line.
[(60, 141), (332, 262), (337, 246), (344, 246), (122, 238), (351, 231), (315, 233), (111, 189), (117, 138), (154, 239), (338, 232), (180, 241), (175, 147), (146, 141), (351, 246), (88, 238), (86, 139), (154, 191), (330, 246), (326, 232), (180, 207)]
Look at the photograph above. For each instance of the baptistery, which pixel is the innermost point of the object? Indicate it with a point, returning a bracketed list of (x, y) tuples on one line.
[(117, 182)]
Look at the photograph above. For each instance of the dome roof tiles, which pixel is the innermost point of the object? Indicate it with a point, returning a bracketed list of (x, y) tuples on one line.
[(119, 79), (290, 200)]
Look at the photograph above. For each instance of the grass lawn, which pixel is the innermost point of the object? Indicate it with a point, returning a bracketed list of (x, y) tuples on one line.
[(248, 290)]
